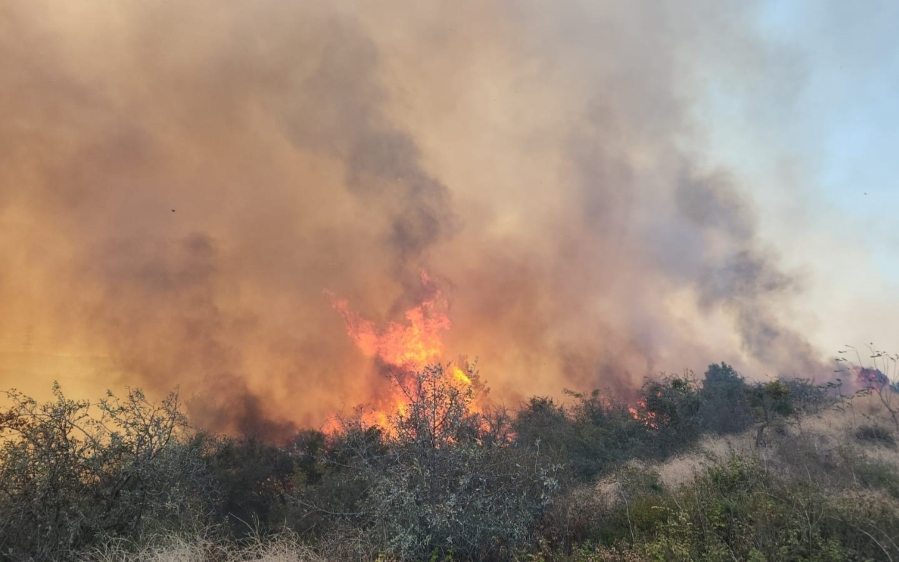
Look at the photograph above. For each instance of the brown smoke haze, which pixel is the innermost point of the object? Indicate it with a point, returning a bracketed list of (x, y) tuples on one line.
[(180, 182)]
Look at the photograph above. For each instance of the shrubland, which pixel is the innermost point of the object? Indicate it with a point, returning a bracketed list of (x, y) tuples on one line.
[(688, 469)]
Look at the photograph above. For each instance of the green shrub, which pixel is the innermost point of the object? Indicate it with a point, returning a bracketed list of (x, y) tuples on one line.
[(606, 434), (251, 479), (542, 421), (439, 481), (672, 410), (877, 475), (596, 433), (332, 504), (723, 395), (72, 473), (770, 403)]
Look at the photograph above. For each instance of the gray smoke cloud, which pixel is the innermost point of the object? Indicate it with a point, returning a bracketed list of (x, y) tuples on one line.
[(181, 181)]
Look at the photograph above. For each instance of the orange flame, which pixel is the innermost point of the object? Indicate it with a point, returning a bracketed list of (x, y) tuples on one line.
[(640, 414), (409, 346)]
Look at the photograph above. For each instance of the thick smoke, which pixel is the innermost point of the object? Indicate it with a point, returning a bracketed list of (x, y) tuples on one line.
[(181, 181)]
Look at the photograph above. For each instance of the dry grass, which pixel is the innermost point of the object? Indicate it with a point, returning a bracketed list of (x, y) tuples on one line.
[(824, 447), (281, 548), (810, 445), (850, 453)]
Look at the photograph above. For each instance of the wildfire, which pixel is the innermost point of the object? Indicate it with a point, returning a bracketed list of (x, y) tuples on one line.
[(640, 414), (635, 413), (461, 376), (871, 379), (406, 346)]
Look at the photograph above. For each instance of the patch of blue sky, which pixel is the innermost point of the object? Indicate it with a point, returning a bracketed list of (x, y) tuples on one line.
[(850, 101), (847, 111)]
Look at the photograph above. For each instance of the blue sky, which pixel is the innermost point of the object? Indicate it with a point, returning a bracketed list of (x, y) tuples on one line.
[(844, 114), (847, 114), (813, 135)]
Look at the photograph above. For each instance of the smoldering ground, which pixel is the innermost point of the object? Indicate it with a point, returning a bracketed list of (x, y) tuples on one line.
[(181, 181)]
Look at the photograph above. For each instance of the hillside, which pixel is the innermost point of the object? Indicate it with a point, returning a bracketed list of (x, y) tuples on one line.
[(717, 469)]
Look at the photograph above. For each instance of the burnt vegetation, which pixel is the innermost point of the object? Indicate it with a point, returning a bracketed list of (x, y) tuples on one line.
[(450, 477)]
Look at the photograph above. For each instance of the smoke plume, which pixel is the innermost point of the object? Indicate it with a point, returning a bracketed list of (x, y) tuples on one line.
[(180, 182)]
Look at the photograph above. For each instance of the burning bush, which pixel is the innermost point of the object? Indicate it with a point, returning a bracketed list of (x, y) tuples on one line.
[(872, 379), (445, 478), (671, 407), (881, 378), (446, 474), (597, 432)]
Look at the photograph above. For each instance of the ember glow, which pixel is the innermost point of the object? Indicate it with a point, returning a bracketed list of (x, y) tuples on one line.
[(639, 413)]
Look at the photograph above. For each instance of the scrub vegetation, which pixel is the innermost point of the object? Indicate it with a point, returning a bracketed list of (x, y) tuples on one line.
[(692, 468)]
